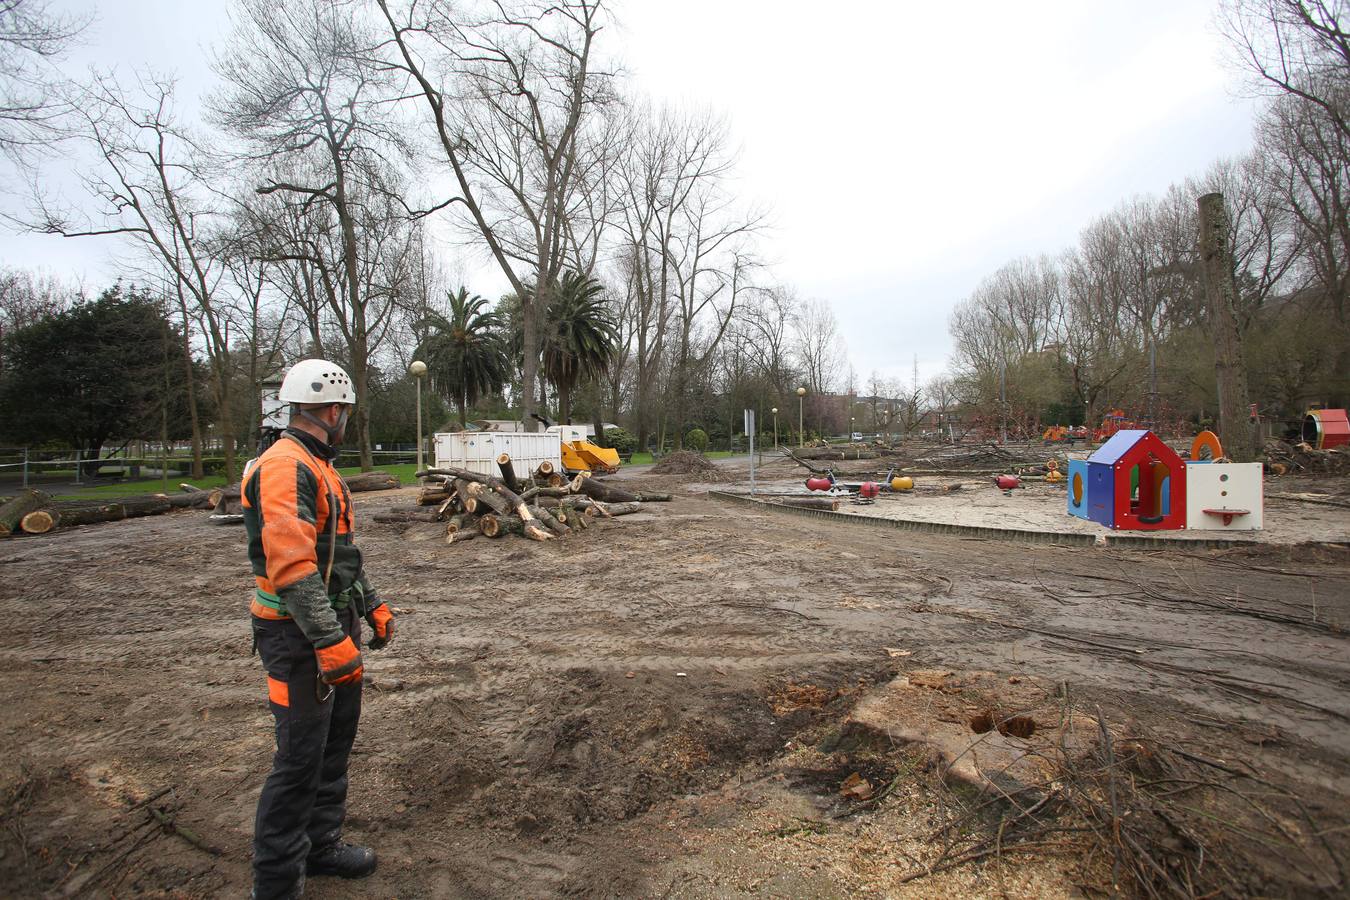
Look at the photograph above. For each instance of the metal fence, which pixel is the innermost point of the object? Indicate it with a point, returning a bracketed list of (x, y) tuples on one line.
[(30, 465)]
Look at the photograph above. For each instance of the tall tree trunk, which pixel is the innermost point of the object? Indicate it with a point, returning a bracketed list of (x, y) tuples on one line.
[(224, 396), (361, 381), (190, 380), (1216, 263), (529, 340)]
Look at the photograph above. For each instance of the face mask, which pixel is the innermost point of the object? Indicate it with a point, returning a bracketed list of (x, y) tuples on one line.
[(334, 432)]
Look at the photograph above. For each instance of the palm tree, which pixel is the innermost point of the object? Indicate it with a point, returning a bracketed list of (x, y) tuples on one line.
[(578, 337), (465, 352)]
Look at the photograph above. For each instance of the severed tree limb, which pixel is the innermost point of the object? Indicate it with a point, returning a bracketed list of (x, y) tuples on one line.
[(549, 520), (530, 526), (492, 525), (491, 501), (468, 498), (508, 472), (606, 493), (12, 513)]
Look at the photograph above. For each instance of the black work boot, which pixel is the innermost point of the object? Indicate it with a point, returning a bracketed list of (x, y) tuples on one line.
[(342, 860)]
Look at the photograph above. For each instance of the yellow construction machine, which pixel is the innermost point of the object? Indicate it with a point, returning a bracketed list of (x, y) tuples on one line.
[(579, 453)]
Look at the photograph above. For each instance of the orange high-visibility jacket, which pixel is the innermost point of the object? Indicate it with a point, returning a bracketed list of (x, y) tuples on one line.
[(290, 497)]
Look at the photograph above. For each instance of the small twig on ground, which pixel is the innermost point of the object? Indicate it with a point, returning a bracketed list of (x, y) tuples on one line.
[(170, 824)]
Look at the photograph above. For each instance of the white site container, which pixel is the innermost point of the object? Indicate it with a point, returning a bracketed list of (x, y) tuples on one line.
[(477, 451)]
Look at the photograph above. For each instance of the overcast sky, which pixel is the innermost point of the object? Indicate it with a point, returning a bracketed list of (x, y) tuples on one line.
[(905, 149)]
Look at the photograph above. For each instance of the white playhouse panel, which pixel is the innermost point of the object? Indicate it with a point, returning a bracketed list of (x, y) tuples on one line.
[(477, 451), (1231, 491)]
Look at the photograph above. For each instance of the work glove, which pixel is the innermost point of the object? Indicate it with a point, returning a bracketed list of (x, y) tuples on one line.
[(339, 663), (381, 622)]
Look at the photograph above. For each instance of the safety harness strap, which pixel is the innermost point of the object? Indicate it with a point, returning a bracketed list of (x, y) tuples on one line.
[(338, 602)]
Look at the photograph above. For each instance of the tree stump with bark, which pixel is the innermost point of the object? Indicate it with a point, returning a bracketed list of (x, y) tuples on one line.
[(12, 513)]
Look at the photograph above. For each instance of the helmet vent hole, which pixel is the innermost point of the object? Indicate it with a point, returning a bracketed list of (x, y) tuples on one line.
[(316, 386)]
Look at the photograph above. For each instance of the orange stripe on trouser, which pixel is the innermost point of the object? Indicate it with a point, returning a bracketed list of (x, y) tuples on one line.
[(279, 692)]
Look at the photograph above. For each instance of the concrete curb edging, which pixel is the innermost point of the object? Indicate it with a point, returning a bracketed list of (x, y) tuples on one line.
[(1017, 535)]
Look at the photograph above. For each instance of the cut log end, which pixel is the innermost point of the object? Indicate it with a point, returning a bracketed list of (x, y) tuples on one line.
[(38, 522)]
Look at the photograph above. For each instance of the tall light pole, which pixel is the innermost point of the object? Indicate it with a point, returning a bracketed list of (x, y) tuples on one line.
[(418, 370), (775, 427), (801, 433)]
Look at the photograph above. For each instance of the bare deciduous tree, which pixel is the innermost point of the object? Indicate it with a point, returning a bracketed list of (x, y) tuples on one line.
[(150, 187), (32, 100), (1296, 47), (302, 94), (509, 93)]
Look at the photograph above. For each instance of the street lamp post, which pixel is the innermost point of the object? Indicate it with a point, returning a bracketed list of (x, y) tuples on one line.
[(775, 427), (418, 370), (801, 433)]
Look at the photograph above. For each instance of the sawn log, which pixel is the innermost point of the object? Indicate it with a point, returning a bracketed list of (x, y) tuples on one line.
[(12, 513), (371, 481)]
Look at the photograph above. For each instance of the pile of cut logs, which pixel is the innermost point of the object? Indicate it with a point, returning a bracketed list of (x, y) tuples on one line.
[(542, 505)]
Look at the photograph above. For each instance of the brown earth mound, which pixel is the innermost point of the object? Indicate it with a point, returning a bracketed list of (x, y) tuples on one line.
[(686, 462)]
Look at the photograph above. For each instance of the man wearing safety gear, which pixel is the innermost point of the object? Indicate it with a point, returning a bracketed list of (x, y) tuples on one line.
[(312, 592)]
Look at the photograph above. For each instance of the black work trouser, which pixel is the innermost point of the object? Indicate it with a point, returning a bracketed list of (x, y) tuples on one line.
[(304, 799)]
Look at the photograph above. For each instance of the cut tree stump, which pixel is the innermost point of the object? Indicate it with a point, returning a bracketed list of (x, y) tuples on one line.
[(371, 481), (12, 513), (39, 521), (492, 525), (606, 493), (508, 472)]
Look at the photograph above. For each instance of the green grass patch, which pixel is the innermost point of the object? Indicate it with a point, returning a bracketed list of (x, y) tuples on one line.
[(130, 488)]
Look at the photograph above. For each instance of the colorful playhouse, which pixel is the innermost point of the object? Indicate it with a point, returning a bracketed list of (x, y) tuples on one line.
[(1326, 428), (1135, 482)]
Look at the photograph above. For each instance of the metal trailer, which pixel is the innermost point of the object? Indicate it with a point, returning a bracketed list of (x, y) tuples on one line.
[(477, 451)]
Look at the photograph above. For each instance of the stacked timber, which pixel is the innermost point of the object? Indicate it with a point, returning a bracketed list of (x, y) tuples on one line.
[(542, 505)]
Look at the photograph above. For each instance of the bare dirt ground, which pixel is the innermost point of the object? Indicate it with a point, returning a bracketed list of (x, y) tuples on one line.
[(659, 706)]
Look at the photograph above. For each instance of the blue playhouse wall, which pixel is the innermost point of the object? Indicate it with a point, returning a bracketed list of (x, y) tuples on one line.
[(1101, 499), (1078, 469)]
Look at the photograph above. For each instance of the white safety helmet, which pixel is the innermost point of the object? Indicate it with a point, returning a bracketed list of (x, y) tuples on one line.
[(317, 381)]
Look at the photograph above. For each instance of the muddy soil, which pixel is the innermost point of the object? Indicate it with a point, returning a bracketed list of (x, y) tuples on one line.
[(649, 708)]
